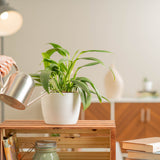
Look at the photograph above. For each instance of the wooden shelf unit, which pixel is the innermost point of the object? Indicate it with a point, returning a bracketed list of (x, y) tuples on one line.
[(85, 134)]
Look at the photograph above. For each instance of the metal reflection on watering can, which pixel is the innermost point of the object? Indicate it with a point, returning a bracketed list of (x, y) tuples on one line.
[(17, 90)]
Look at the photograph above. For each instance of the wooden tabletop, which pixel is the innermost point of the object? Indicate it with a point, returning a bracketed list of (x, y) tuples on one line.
[(39, 124)]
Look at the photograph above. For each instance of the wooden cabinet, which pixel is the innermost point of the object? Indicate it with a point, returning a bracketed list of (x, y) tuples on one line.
[(129, 123), (133, 119), (137, 120), (152, 124), (96, 111)]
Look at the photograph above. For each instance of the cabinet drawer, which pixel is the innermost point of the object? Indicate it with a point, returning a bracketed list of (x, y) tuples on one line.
[(130, 120)]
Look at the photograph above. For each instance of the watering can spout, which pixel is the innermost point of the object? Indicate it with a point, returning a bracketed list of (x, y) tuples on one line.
[(17, 90), (36, 99)]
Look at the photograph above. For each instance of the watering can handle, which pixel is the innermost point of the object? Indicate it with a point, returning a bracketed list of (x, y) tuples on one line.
[(1, 79), (16, 67)]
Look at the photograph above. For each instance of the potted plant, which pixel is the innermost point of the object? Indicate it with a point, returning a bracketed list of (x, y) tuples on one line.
[(65, 89)]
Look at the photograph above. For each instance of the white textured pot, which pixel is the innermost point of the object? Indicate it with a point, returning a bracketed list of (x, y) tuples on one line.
[(61, 109)]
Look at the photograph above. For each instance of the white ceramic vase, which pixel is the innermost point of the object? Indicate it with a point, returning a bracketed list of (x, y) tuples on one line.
[(61, 109), (114, 88)]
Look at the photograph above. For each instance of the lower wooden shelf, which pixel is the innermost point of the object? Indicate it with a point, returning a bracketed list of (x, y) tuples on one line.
[(88, 139)]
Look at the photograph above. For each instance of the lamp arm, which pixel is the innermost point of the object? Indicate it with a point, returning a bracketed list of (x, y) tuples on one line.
[(2, 53)]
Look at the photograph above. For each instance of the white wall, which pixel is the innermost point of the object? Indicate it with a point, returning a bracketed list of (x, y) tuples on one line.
[(128, 28)]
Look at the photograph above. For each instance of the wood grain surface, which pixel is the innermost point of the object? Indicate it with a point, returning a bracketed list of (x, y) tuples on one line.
[(98, 111), (23, 124), (89, 135)]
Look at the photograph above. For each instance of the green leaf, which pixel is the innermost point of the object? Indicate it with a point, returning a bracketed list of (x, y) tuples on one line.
[(48, 53), (54, 68), (70, 68), (50, 61), (63, 68), (35, 75), (85, 98), (44, 77), (82, 95), (106, 99), (38, 84), (104, 51), (75, 54), (55, 45), (81, 85), (62, 60), (51, 64), (37, 80), (88, 101), (59, 49), (86, 65), (84, 79), (93, 59), (89, 64), (114, 77), (62, 51), (85, 89), (55, 85), (101, 96)]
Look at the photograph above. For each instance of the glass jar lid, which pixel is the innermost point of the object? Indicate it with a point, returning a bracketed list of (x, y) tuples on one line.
[(46, 144)]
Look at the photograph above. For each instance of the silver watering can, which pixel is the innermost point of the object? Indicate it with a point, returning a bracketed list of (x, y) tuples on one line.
[(17, 90)]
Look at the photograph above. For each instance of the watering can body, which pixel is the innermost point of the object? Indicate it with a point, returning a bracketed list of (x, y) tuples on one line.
[(17, 90)]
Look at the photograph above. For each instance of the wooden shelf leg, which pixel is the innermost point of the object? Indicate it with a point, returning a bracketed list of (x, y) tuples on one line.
[(1, 146), (113, 144)]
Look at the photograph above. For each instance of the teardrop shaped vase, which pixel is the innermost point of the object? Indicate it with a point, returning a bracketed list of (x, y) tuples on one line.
[(114, 87)]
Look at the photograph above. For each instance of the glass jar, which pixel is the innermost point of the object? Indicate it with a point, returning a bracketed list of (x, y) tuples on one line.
[(45, 150)]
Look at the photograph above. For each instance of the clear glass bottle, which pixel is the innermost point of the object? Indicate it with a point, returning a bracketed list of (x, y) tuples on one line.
[(45, 150)]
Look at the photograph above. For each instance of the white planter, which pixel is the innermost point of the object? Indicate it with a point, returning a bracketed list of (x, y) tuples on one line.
[(61, 109)]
